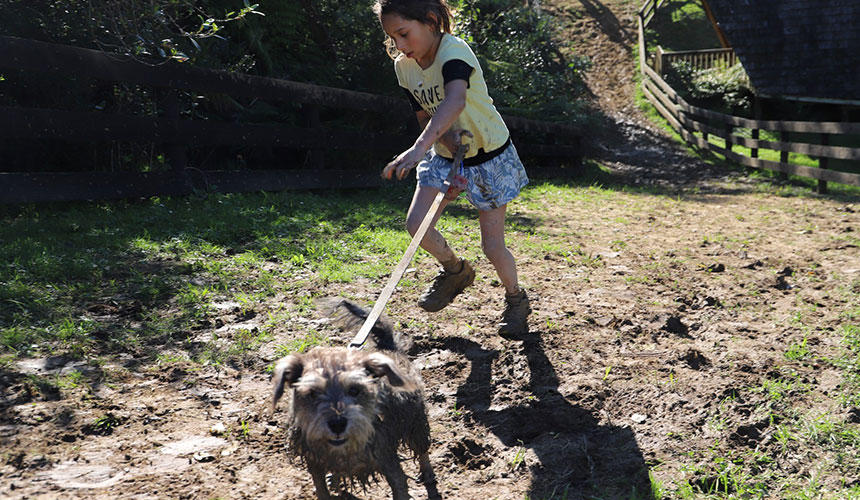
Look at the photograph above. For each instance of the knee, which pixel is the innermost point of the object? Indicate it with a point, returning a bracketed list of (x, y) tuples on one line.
[(494, 250), (412, 225)]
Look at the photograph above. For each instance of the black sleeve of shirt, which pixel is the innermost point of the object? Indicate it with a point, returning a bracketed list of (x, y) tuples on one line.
[(456, 69), (412, 100)]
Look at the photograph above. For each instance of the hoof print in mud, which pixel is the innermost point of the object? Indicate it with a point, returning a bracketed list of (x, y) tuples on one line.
[(695, 359), (470, 454)]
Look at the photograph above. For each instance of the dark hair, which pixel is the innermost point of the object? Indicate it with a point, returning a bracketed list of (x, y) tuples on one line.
[(418, 10)]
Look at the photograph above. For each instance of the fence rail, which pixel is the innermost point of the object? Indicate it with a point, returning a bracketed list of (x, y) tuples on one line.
[(170, 128), (697, 59), (698, 125)]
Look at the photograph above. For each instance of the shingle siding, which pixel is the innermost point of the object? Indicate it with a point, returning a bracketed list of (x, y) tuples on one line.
[(796, 47)]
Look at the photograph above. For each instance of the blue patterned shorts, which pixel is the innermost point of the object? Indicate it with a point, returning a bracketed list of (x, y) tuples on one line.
[(490, 184)]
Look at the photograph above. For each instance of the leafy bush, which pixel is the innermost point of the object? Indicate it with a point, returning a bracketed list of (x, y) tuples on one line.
[(157, 29), (526, 73), (325, 42), (722, 88)]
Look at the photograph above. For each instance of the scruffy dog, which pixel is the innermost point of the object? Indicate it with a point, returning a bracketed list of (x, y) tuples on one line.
[(352, 409)]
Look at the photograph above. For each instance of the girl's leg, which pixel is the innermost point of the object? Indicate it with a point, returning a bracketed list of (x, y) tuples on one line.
[(493, 245), (457, 274), (433, 242), (514, 321)]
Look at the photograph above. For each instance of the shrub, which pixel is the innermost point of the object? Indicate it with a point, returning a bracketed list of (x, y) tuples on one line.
[(526, 73), (722, 88)]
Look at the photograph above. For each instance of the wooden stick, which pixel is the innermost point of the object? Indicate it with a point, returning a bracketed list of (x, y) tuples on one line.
[(361, 337)]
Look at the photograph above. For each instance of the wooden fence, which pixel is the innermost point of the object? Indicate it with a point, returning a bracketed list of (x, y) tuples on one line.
[(170, 128), (698, 126), (697, 59)]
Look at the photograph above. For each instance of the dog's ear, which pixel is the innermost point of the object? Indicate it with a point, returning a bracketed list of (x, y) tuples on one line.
[(379, 365), (287, 372)]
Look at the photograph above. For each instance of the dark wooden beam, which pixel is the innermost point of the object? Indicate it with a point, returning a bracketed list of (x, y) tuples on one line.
[(722, 36)]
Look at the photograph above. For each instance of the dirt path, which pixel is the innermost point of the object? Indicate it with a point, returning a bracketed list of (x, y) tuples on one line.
[(629, 144), (668, 331)]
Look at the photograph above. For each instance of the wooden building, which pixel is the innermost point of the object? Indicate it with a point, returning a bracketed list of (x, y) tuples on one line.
[(807, 49)]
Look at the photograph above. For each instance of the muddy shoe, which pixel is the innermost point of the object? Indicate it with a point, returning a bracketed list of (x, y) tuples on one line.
[(514, 322), (446, 286)]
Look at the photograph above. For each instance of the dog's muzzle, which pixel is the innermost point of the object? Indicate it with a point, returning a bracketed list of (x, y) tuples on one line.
[(337, 425)]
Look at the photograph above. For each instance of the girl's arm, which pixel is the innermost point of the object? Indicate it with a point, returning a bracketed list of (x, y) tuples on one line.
[(423, 118), (446, 114)]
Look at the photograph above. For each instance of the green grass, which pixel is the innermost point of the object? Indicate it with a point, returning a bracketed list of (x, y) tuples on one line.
[(83, 279), (681, 25), (850, 361)]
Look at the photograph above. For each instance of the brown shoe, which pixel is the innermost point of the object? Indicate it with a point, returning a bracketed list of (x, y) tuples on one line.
[(446, 286), (515, 317)]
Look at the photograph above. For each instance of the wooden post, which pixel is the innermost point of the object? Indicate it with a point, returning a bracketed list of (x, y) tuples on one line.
[(642, 49), (658, 60), (315, 158), (822, 163), (723, 40), (755, 131), (176, 152), (783, 155), (729, 142)]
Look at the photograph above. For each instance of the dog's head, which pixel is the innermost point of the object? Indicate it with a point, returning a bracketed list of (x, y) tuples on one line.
[(335, 394)]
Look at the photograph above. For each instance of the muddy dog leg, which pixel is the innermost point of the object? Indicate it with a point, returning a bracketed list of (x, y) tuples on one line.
[(318, 475), (395, 477), (428, 477)]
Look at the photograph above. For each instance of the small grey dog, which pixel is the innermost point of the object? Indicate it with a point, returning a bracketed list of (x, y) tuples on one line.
[(352, 409)]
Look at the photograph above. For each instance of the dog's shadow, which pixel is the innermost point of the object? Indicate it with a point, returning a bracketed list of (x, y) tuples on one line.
[(576, 456)]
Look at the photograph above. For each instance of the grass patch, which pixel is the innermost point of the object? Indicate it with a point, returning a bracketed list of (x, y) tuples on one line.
[(86, 279)]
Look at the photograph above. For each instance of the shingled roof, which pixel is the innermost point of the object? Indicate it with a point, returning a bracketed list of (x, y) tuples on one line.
[(796, 48)]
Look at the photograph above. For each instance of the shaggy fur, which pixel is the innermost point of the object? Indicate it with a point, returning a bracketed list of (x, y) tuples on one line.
[(352, 409)]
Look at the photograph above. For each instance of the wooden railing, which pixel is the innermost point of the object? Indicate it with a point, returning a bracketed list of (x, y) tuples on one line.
[(698, 125), (697, 59), (169, 128)]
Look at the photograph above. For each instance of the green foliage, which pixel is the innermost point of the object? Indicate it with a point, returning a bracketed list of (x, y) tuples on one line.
[(850, 364), (525, 71), (165, 30), (325, 42), (720, 88)]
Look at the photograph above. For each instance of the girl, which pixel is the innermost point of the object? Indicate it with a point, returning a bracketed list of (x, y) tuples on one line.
[(446, 87)]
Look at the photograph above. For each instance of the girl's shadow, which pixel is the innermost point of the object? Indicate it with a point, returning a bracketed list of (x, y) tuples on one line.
[(576, 456)]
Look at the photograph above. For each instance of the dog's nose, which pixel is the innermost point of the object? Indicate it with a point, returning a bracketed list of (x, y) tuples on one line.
[(337, 425)]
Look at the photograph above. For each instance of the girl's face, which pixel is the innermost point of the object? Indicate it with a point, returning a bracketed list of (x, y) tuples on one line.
[(414, 39)]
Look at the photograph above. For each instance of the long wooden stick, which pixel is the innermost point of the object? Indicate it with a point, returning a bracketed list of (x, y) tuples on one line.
[(361, 337)]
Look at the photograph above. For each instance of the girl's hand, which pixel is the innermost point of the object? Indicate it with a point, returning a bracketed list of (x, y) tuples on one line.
[(404, 162)]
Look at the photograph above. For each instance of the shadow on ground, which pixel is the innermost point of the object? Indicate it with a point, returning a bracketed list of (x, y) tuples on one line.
[(576, 455)]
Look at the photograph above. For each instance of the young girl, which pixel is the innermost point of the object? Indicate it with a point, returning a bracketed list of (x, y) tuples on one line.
[(446, 87)]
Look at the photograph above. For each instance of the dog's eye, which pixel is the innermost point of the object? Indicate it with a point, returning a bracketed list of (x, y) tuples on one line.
[(353, 391)]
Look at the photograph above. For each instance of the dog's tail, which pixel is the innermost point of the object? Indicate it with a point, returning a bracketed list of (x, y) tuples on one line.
[(349, 316)]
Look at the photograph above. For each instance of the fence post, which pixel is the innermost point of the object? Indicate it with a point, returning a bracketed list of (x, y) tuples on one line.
[(729, 143), (783, 155), (176, 152), (315, 157), (755, 131), (642, 49), (658, 60), (822, 163)]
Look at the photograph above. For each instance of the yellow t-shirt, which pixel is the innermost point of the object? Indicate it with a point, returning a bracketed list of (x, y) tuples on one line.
[(479, 116)]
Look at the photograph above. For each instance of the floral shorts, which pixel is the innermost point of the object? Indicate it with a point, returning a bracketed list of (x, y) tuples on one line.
[(489, 185)]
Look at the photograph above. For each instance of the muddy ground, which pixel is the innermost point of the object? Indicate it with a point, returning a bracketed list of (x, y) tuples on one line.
[(654, 315)]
